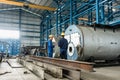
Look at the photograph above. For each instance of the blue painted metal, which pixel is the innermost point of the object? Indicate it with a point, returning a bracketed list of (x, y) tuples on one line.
[(46, 26), (75, 21), (102, 14), (97, 11), (113, 23), (85, 4), (57, 22), (50, 25), (93, 10), (71, 12), (98, 7), (110, 10), (47, 22), (61, 20), (12, 45), (63, 7)]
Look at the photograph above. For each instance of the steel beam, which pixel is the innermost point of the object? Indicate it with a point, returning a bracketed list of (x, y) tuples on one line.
[(97, 11), (71, 12), (47, 22), (56, 22), (22, 4), (102, 14), (60, 21), (75, 11), (76, 65)]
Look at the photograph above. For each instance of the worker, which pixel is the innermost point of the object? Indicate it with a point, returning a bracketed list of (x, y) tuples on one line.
[(63, 44), (50, 46)]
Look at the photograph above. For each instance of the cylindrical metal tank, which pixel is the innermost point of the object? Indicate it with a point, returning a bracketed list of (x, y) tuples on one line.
[(86, 43)]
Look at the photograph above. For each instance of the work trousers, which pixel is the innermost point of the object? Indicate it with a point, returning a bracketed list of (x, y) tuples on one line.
[(63, 54), (50, 54)]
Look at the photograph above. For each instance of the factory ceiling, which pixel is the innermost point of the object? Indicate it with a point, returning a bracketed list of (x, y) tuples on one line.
[(41, 7), (36, 6)]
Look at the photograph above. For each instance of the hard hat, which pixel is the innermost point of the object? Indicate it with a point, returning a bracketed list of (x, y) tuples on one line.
[(50, 36), (62, 33)]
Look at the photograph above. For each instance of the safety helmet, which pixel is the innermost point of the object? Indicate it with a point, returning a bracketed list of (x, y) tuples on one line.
[(62, 34), (50, 36)]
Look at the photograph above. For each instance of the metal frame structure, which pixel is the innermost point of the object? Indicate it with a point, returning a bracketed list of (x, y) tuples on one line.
[(68, 12), (89, 12)]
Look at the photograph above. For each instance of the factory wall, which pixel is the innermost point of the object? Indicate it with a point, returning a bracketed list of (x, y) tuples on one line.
[(30, 26)]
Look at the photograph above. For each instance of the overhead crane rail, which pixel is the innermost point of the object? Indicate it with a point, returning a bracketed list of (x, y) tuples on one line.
[(22, 4)]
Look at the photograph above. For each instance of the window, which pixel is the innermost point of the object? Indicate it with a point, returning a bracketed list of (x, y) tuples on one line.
[(9, 34)]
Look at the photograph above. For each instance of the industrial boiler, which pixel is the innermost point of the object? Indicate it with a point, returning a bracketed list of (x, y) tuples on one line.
[(86, 43)]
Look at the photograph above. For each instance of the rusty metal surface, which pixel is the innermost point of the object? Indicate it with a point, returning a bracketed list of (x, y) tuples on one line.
[(78, 65)]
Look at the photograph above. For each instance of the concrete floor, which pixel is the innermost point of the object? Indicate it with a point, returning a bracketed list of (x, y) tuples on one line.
[(103, 73), (9, 73), (111, 72), (16, 72)]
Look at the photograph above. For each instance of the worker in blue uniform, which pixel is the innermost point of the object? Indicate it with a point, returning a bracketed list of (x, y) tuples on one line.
[(50, 46), (63, 44)]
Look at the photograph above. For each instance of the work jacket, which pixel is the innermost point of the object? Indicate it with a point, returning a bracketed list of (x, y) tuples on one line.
[(63, 44), (50, 46)]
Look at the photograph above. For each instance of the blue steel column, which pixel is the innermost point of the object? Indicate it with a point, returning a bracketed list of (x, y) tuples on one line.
[(71, 13), (47, 22), (97, 11), (50, 24), (57, 22), (75, 11), (40, 33), (90, 15), (111, 4), (60, 20), (110, 10), (20, 15), (102, 14), (43, 34)]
